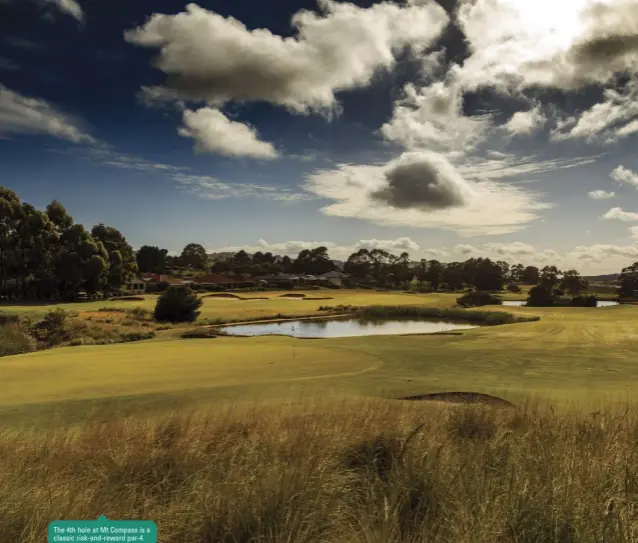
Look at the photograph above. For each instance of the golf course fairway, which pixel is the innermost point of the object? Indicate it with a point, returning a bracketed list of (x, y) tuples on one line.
[(579, 354)]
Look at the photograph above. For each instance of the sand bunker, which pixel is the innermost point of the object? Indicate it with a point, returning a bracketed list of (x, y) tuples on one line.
[(460, 397), (231, 296)]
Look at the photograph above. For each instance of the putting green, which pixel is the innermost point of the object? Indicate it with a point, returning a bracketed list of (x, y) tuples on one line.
[(579, 353)]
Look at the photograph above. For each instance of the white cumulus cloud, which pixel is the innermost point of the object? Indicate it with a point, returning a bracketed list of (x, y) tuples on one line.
[(25, 115), (600, 195), (432, 118), (70, 7), (526, 122), (616, 213), (215, 133), (625, 175), (443, 198), (218, 59)]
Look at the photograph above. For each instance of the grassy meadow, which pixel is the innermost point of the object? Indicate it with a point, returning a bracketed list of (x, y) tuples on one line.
[(271, 439), (341, 470)]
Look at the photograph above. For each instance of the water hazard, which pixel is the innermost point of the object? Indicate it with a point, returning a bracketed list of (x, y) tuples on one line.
[(343, 328)]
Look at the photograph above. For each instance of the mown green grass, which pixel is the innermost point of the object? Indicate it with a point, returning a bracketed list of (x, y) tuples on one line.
[(575, 354), (233, 309)]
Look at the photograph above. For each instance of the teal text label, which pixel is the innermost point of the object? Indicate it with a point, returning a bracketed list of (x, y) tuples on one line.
[(102, 530)]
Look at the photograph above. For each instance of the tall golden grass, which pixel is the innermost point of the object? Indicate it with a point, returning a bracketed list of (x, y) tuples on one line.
[(353, 471)]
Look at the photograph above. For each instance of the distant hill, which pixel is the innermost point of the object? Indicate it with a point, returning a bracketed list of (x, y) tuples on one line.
[(608, 277)]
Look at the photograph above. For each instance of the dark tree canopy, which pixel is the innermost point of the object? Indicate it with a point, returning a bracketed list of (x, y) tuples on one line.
[(530, 275), (540, 296), (573, 283), (313, 262), (151, 259), (629, 281), (194, 256), (122, 265)]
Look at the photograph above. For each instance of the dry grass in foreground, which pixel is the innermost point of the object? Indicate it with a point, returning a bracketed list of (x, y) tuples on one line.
[(358, 471)]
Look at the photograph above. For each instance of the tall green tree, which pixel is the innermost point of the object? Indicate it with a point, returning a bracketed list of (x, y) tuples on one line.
[(194, 256), (122, 265), (151, 259), (453, 275), (549, 276), (434, 274), (10, 213), (359, 264), (629, 281), (36, 242), (400, 269), (516, 273), (530, 275), (573, 283), (484, 274), (421, 271), (505, 270), (313, 261), (82, 263), (79, 263)]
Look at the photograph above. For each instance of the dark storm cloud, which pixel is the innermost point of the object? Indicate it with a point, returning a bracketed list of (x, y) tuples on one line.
[(426, 182)]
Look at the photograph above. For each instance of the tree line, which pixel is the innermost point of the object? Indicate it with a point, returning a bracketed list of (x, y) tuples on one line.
[(46, 255)]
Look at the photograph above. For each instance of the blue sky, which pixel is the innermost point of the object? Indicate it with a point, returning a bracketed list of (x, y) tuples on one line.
[(449, 129)]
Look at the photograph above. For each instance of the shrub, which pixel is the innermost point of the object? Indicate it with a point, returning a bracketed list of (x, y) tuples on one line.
[(15, 339), (584, 301), (52, 329), (8, 318), (200, 333), (139, 313), (540, 296), (514, 288), (478, 298), (177, 304)]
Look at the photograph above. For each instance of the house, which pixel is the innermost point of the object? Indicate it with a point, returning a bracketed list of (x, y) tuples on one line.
[(149, 278), (334, 277), (222, 281), (136, 285)]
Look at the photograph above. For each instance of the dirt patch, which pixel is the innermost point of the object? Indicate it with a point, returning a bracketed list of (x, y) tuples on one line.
[(460, 397), (292, 295)]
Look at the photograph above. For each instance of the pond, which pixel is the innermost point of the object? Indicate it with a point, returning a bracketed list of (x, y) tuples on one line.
[(521, 303), (343, 328)]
